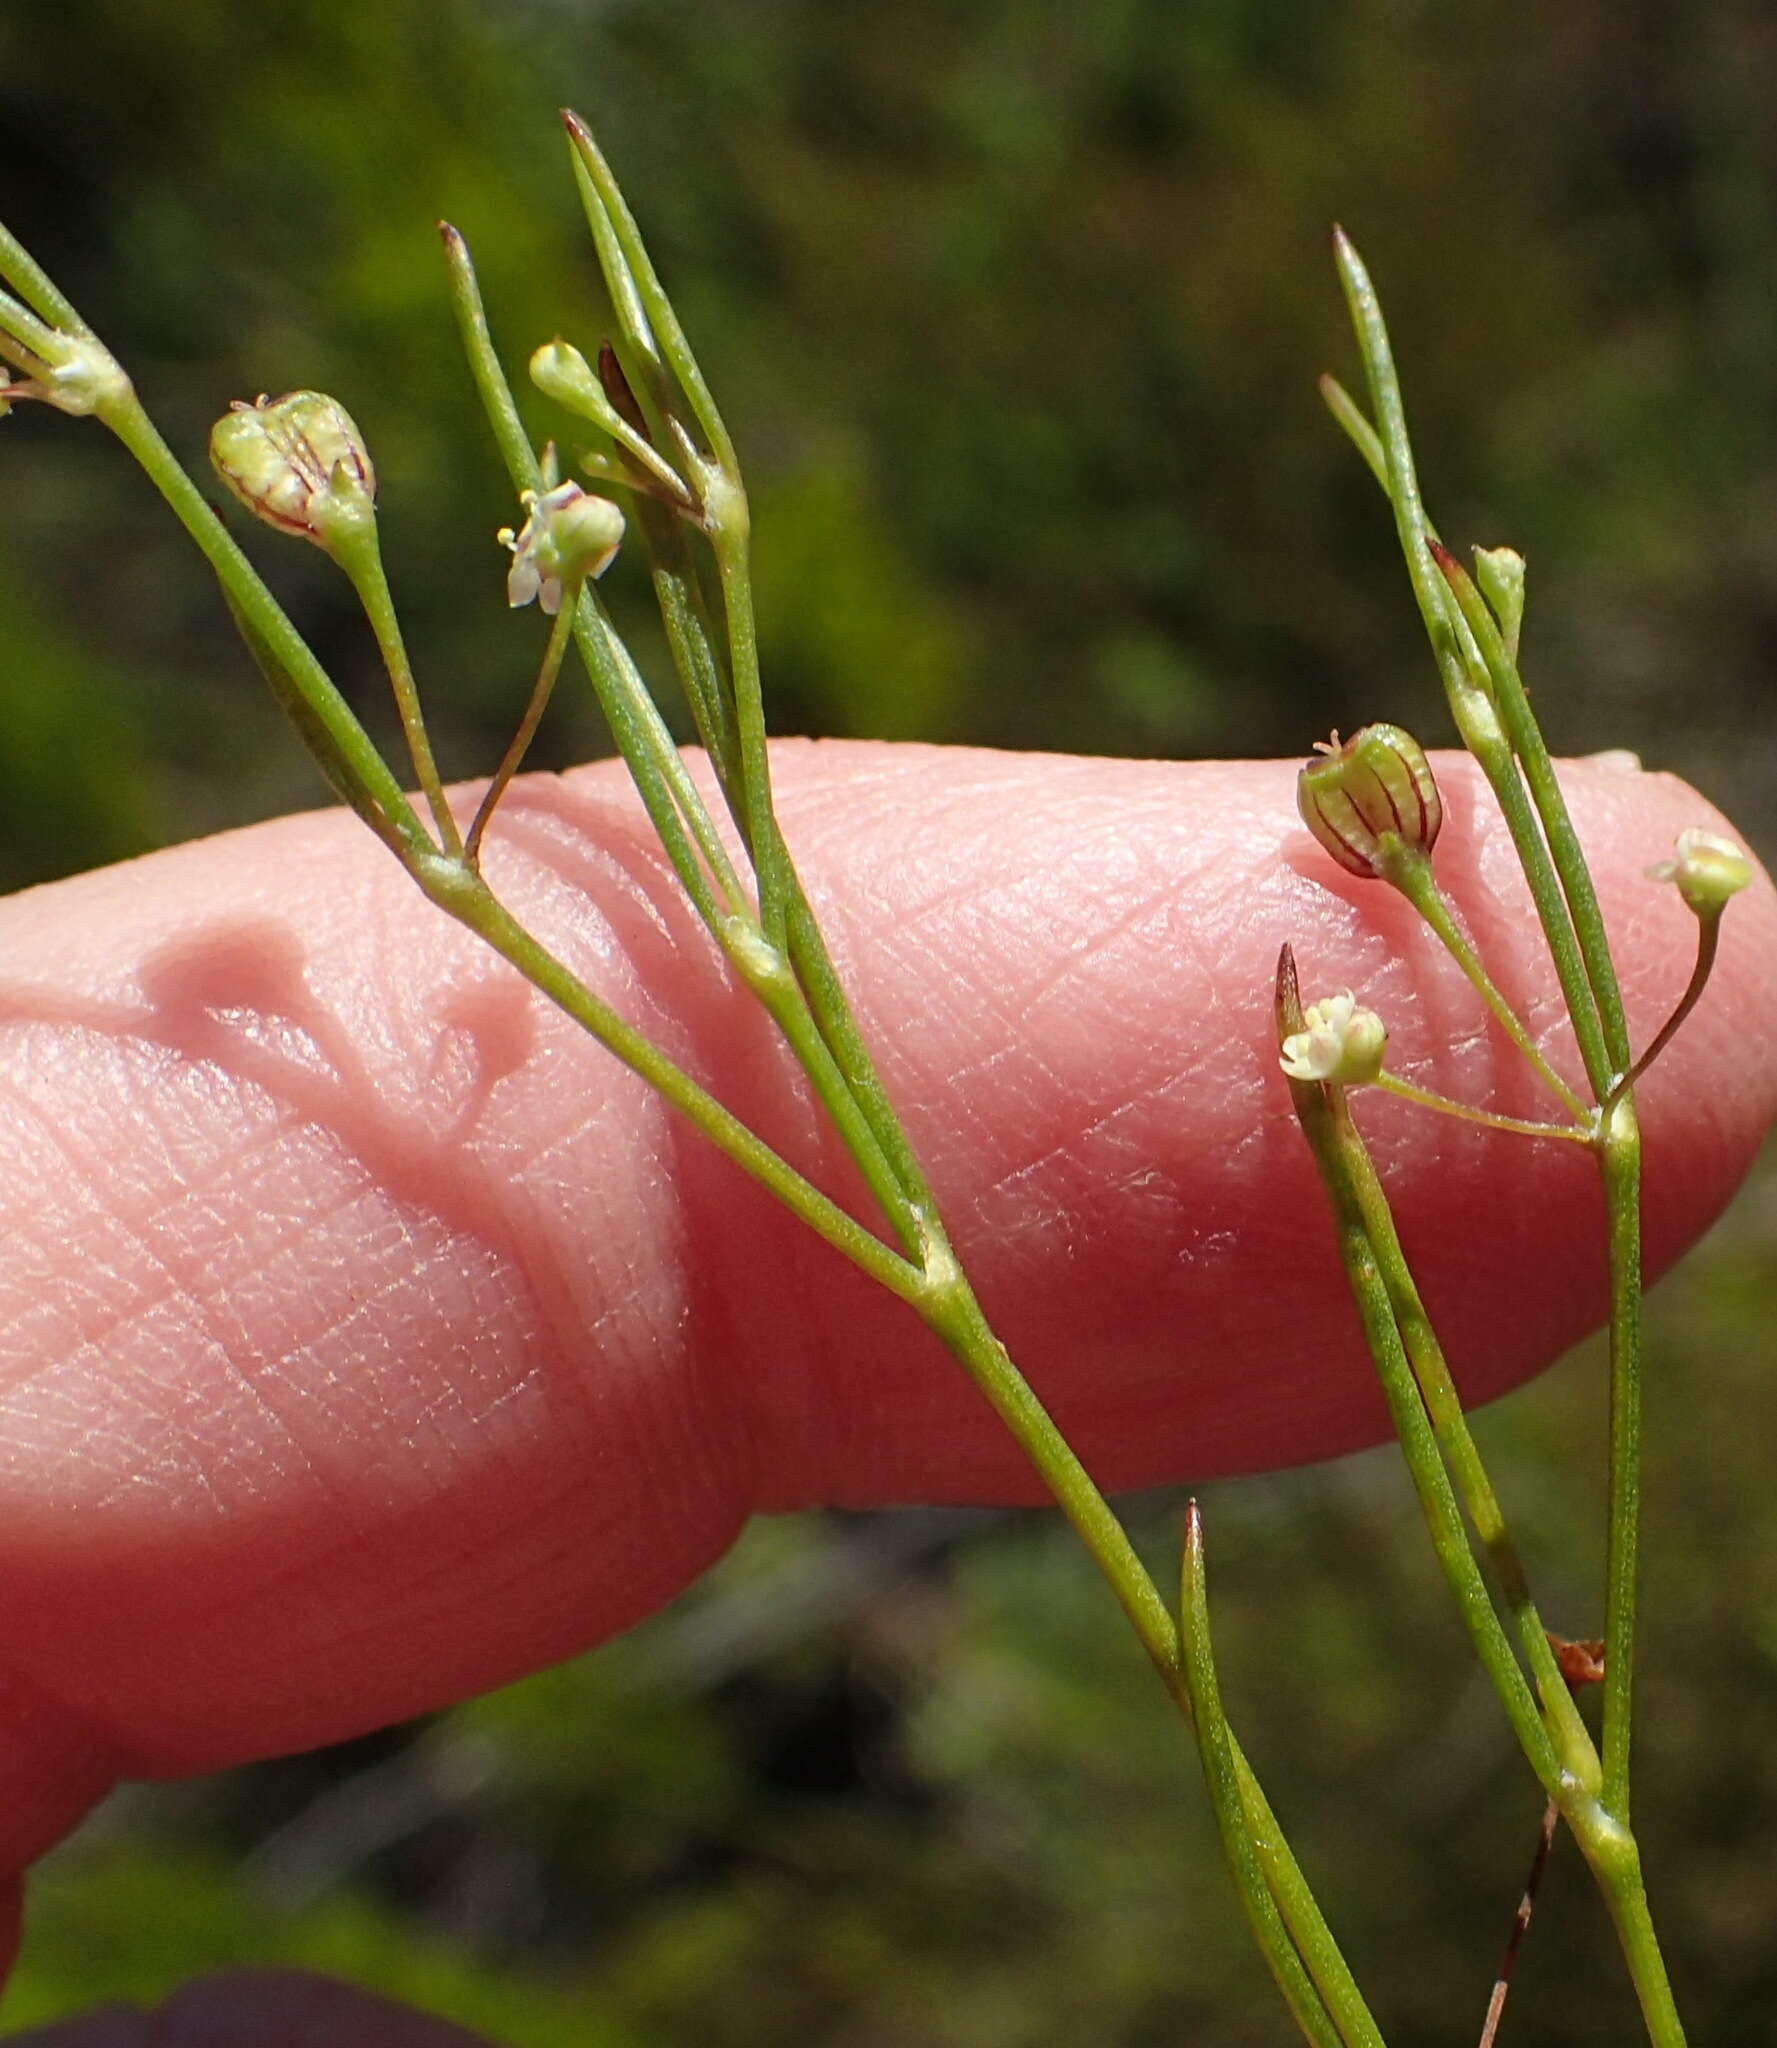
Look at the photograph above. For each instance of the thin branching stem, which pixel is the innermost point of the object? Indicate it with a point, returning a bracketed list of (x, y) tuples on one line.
[(1419, 885), (560, 631), (662, 319), (34, 285), (1493, 711), (1708, 939), (952, 1310), (363, 564), (1431, 1481), (455, 887), (1409, 1091), (1215, 1750), (1620, 1162), (348, 744), (1462, 1458)]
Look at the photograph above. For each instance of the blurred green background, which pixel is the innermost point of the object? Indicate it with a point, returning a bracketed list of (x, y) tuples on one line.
[(1015, 309)]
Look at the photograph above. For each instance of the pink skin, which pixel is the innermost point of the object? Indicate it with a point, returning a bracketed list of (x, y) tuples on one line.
[(371, 1337)]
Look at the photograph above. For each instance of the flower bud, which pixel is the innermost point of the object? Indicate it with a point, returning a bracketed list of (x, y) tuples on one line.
[(1374, 789), (297, 462), (1707, 870), (561, 372), (568, 536), (1338, 1042)]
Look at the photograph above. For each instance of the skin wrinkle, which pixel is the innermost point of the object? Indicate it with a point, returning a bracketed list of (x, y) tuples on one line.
[(136, 1313), (1072, 976), (227, 1341), (1089, 1139)]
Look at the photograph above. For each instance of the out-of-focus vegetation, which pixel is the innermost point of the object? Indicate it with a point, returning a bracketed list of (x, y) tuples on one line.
[(1015, 310)]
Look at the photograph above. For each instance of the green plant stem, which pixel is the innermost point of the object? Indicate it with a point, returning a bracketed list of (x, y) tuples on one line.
[(362, 562), (560, 631), (456, 888), (1499, 766), (729, 537), (248, 597), (725, 694), (1415, 880), (1620, 1162), (832, 1011), (23, 338), (1708, 939), (674, 806), (691, 640), (1462, 1458), (668, 794), (822, 992), (702, 673), (1581, 1786), (652, 325), (34, 285), (1567, 906), (1332, 1140), (1409, 1091), (1569, 859), (950, 1307), (675, 809), (655, 303), (1215, 1751), (1615, 1861), (1466, 673)]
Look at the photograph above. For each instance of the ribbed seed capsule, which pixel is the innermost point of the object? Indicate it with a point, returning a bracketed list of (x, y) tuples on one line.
[(279, 457), (1374, 789)]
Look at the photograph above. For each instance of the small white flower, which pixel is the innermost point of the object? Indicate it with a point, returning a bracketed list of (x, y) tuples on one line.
[(1706, 869), (1338, 1042), (568, 534)]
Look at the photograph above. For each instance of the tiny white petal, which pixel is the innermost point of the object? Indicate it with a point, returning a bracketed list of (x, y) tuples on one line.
[(1338, 1042)]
